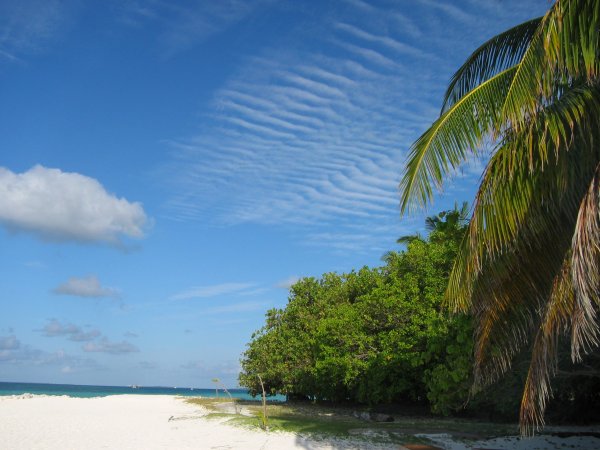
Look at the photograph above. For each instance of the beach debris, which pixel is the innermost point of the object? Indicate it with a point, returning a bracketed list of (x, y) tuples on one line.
[(420, 447), (372, 417)]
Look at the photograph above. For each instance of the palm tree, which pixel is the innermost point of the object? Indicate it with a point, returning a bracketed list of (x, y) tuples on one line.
[(529, 266), (448, 224)]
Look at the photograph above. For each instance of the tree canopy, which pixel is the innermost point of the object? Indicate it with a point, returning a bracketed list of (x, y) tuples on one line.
[(376, 335)]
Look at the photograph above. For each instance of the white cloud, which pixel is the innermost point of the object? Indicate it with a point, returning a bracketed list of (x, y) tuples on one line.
[(9, 342), (288, 282), (95, 341), (113, 348), (26, 355), (65, 206), (385, 41), (72, 332), (85, 287), (55, 328), (85, 336), (213, 290)]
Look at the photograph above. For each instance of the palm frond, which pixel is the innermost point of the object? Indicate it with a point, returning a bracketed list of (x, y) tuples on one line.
[(497, 54), (523, 98), (545, 351), (509, 293), (510, 287), (572, 41), (537, 157), (522, 224), (504, 288), (565, 49), (457, 133), (586, 271)]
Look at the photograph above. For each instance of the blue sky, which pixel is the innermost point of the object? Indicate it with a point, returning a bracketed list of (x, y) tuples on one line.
[(168, 169)]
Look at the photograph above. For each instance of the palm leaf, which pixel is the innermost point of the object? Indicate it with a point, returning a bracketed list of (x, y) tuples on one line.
[(564, 49), (545, 351), (497, 54), (506, 193), (572, 40), (507, 296), (510, 287), (457, 133), (586, 271), (523, 98)]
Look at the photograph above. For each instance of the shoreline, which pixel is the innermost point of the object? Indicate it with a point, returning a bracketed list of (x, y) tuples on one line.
[(89, 390)]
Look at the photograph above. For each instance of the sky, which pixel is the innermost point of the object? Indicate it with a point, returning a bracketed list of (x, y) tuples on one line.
[(169, 168)]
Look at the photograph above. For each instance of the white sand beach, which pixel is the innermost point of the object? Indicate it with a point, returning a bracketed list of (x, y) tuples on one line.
[(124, 422), (153, 422)]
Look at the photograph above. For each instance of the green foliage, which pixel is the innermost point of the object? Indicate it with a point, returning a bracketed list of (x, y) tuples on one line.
[(263, 421), (449, 365), (377, 335)]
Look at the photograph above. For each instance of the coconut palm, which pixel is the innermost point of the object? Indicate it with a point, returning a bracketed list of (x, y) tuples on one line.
[(529, 267), (448, 224)]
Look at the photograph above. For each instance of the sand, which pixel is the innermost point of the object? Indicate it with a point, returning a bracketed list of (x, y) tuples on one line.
[(134, 422), (152, 422)]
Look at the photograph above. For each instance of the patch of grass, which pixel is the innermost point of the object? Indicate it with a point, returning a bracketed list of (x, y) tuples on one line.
[(338, 421), (218, 415), (206, 402)]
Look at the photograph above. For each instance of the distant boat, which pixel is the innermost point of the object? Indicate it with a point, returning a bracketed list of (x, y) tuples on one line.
[(134, 386)]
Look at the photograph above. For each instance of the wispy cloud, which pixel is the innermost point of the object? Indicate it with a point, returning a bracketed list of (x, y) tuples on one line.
[(86, 287), (35, 264), (224, 371), (28, 25), (9, 342), (82, 210), (107, 346), (310, 140), (288, 282), (317, 140), (12, 351), (450, 10), (54, 328), (386, 41), (147, 365), (241, 307), (214, 290), (181, 26), (95, 341)]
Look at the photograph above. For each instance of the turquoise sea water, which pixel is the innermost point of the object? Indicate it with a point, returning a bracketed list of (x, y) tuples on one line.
[(73, 390)]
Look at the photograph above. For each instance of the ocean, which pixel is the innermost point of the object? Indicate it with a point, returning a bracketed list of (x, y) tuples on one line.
[(74, 390)]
